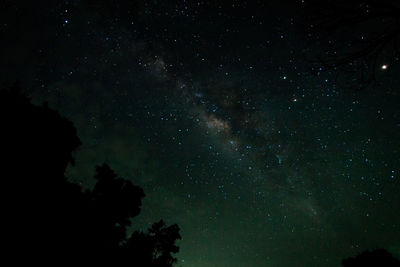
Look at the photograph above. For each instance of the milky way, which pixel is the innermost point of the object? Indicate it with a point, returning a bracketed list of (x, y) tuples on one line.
[(210, 108)]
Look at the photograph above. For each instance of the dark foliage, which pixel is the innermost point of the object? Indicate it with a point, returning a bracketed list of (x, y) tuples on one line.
[(376, 258), (356, 37), (49, 220)]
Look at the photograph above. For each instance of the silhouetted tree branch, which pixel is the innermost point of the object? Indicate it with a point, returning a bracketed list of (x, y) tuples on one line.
[(362, 36)]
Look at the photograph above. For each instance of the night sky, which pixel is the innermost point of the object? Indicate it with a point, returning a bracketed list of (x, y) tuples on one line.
[(210, 107)]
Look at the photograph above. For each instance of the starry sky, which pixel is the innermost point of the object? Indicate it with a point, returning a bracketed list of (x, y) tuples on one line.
[(210, 107)]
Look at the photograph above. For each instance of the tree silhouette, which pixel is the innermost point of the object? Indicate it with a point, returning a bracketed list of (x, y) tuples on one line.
[(155, 248), (376, 258), (49, 220), (362, 37)]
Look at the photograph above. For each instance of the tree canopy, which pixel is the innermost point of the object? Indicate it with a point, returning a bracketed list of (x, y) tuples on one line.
[(50, 220), (378, 257)]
